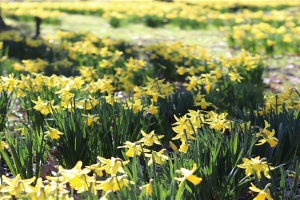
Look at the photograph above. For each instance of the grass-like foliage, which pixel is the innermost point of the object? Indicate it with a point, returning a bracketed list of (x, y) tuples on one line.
[(87, 117)]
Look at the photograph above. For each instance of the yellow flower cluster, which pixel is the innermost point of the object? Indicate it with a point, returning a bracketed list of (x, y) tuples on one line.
[(26, 12), (265, 37), (37, 65), (199, 12), (217, 73), (17, 37), (81, 180), (286, 100), (10, 36), (187, 126), (178, 52), (257, 166)]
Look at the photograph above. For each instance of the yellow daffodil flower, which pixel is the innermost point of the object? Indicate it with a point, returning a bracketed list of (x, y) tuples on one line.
[(173, 146), (17, 186), (77, 177), (151, 138), (234, 76), (53, 133), (87, 104), (90, 119), (151, 109), (158, 157), (255, 165), (134, 148), (184, 136), (114, 183), (188, 175), (262, 194), (3, 145), (196, 118), (148, 187), (56, 186), (180, 70), (45, 107), (112, 166), (182, 125), (38, 191), (184, 147), (202, 103), (273, 141), (217, 122), (9, 82), (136, 106), (267, 135)]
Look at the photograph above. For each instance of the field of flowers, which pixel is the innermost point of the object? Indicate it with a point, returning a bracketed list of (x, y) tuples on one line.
[(84, 117)]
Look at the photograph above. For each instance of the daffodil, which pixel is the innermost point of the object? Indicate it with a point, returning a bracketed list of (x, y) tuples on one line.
[(97, 168), (184, 147), (3, 145), (77, 177), (217, 122), (180, 70), (112, 166), (268, 136), (90, 119), (262, 194), (234, 76), (88, 73), (53, 133), (87, 104), (182, 124), (151, 109), (154, 93), (255, 165), (17, 186), (218, 72), (173, 146), (45, 107), (158, 157), (67, 98), (184, 136), (202, 103), (243, 127), (273, 141), (195, 81), (196, 118), (38, 191), (135, 106), (148, 187), (135, 65), (9, 82), (56, 186), (151, 138), (114, 183), (188, 175), (183, 129), (134, 148)]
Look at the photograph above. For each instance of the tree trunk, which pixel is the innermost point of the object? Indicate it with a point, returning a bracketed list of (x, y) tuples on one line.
[(2, 23), (38, 22)]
